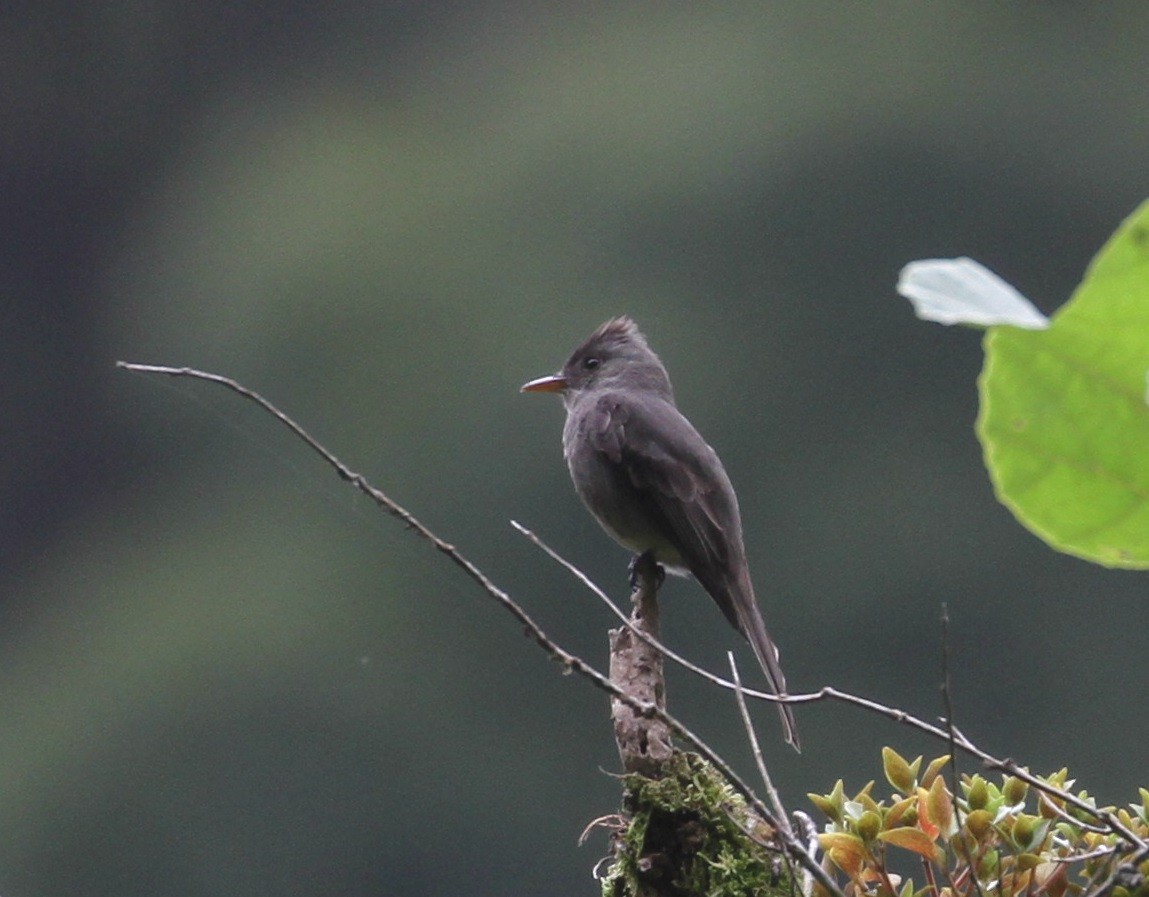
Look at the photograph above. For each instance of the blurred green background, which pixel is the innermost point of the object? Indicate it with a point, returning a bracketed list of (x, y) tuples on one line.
[(224, 673)]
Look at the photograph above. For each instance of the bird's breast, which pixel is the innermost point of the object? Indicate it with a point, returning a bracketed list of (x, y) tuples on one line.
[(626, 513)]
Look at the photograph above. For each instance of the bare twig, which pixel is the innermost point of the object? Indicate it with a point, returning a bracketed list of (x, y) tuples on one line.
[(1046, 805), (618, 612), (759, 760), (1095, 854), (1105, 887), (808, 833), (1009, 767), (949, 734), (947, 699), (748, 725), (531, 629)]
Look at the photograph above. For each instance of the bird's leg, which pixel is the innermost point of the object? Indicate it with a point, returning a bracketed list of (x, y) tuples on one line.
[(641, 562), (632, 568)]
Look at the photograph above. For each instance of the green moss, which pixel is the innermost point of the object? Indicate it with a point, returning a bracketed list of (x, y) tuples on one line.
[(682, 838)]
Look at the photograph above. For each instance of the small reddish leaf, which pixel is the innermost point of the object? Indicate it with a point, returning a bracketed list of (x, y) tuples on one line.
[(940, 807), (912, 839), (933, 769), (925, 822), (847, 852), (898, 812)]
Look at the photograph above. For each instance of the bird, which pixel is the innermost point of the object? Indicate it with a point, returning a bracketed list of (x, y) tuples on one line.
[(653, 483)]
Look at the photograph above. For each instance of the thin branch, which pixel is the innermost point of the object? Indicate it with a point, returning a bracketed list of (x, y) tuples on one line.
[(950, 734), (778, 820), (1110, 819), (947, 699), (1095, 854), (1046, 805), (622, 616), (809, 831), (531, 629), (755, 747), (1105, 888), (759, 760)]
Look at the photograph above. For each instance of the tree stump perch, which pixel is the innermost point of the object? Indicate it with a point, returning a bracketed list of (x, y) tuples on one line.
[(644, 743)]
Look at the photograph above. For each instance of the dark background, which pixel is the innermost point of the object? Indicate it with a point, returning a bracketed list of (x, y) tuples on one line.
[(223, 673)]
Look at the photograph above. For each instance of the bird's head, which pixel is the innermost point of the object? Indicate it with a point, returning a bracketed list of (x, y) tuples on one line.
[(615, 356)]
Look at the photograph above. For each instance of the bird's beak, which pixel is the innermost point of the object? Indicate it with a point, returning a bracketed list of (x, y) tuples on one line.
[(551, 383)]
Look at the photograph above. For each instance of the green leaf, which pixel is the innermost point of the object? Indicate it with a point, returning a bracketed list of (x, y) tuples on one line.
[(899, 773), (1064, 421)]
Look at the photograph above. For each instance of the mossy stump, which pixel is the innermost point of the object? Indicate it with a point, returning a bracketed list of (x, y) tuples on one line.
[(685, 835)]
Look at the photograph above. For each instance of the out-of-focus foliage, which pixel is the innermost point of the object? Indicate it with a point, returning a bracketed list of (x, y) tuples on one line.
[(221, 674)]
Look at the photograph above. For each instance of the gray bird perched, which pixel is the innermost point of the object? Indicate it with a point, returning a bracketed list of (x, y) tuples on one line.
[(651, 480)]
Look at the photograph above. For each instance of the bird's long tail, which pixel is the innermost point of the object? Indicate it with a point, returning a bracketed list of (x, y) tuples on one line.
[(752, 626)]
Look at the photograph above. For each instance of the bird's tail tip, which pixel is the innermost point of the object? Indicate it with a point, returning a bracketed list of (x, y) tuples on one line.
[(790, 728)]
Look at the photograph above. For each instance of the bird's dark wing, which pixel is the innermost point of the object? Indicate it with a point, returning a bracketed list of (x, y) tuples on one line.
[(680, 480), (682, 486)]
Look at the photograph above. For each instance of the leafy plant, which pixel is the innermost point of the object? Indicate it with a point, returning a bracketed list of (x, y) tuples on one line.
[(991, 840)]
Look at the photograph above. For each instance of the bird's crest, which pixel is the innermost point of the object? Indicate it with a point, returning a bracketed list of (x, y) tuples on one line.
[(617, 330)]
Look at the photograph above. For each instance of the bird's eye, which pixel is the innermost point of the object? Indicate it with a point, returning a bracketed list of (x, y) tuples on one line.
[(591, 363)]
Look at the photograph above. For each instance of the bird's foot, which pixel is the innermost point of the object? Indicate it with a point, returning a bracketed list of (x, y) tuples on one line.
[(643, 564)]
